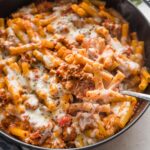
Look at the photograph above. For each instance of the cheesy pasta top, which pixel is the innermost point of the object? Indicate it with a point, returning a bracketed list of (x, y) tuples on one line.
[(62, 65)]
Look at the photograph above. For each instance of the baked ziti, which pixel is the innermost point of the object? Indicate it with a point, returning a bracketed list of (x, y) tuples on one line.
[(62, 67)]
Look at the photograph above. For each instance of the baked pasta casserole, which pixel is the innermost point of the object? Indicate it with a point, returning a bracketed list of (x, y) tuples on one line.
[(62, 67)]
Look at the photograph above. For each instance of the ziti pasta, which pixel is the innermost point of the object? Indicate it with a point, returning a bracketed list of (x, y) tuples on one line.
[(62, 66)]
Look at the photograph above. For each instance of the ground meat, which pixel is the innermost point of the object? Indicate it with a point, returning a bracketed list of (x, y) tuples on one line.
[(69, 134), (79, 81), (72, 72), (4, 97), (86, 121), (27, 57), (94, 47), (65, 41), (79, 23), (111, 124), (35, 135), (114, 28), (44, 6)]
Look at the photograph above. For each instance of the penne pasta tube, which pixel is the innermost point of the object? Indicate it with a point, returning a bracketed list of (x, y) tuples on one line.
[(143, 85), (2, 23), (125, 116), (45, 22), (105, 14), (47, 44), (134, 36), (18, 132), (50, 29), (145, 74), (117, 79), (97, 77), (20, 34), (140, 48), (106, 76), (98, 3), (14, 67), (89, 9), (88, 107), (79, 59), (41, 32), (14, 90), (25, 68), (48, 59), (2, 82), (79, 140), (134, 44), (78, 10), (103, 32), (7, 61), (125, 31), (108, 96), (23, 48), (50, 105)]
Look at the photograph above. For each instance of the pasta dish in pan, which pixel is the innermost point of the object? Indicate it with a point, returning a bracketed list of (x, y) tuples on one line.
[(62, 67)]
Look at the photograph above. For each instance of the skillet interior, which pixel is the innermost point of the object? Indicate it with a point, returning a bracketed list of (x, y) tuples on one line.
[(137, 22)]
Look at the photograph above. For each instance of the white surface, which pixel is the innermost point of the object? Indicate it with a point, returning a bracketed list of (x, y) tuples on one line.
[(136, 138), (145, 9)]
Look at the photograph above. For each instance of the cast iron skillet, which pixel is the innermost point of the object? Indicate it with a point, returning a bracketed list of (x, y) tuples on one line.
[(137, 22)]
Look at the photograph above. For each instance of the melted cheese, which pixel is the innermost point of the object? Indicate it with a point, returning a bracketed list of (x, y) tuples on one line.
[(87, 30), (1, 116), (69, 129), (117, 46), (125, 109), (47, 61), (133, 65), (22, 80), (105, 95), (63, 22), (15, 79), (37, 118), (121, 108), (128, 66), (15, 85), (12, 77), (41, 85), (116, 108), (59, 113), (32, 100), (107, 53)]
